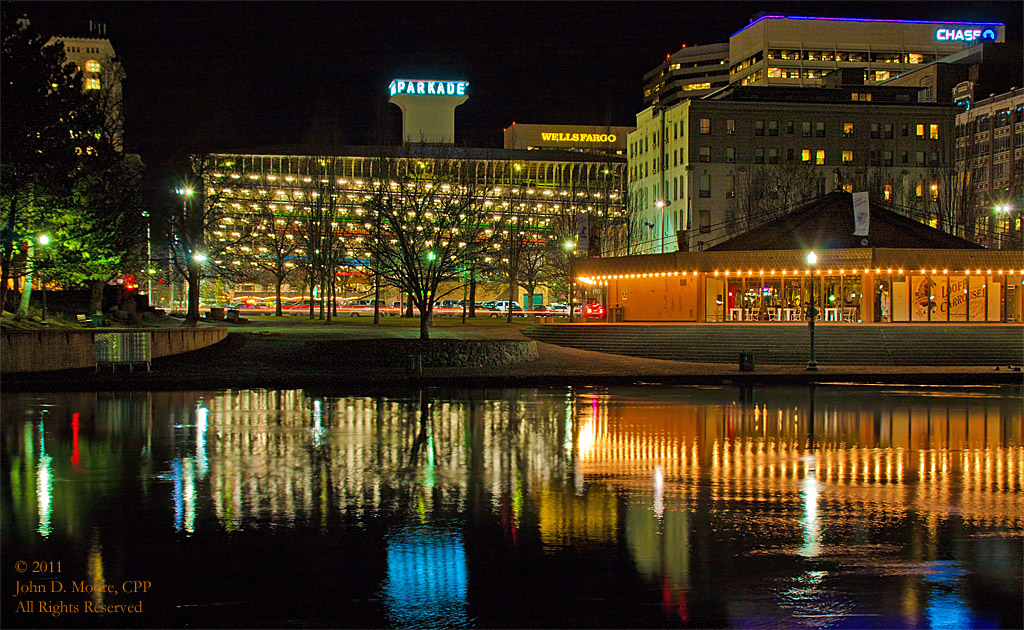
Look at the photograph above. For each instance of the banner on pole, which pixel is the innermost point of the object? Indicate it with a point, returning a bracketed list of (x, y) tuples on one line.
[(861, 214), (582, 232)]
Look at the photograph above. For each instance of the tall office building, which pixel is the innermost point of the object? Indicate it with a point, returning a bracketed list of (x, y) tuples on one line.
[(102, 73), (690, 72), (800, 51), (706, 169), (990, 157)]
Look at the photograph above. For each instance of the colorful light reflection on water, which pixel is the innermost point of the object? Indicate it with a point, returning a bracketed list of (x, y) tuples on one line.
[(658, 506)]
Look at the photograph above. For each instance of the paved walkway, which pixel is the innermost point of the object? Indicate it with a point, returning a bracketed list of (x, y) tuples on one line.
[(297, 353)]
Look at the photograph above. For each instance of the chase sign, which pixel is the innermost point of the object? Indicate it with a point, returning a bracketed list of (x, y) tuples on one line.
[(428, 88), (965, 34)]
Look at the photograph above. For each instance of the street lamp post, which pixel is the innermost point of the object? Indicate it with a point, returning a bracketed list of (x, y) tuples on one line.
[(44, 240), (661, 206), (812, 365), (569, 246), (149, 257), (1003, 213), (185, 193)]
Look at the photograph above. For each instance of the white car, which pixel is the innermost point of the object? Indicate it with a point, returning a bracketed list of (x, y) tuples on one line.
[(501, 307)]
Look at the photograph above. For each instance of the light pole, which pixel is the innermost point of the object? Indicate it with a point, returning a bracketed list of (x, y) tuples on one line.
[(812, 365), (660, 205), (43, 240), (149, 257), (185, 192), (569, 246), (1003, 213)]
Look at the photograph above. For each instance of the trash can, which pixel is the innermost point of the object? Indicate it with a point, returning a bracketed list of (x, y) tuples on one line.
[(746, 362), (233, 315), (617, 313), (216, 312)]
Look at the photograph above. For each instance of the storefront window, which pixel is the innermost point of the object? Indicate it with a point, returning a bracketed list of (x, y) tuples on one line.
[(957, 289)]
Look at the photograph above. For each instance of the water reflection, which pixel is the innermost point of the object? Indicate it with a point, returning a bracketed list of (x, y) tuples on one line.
[(770, 507)]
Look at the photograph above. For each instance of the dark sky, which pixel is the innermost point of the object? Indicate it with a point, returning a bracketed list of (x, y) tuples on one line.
[(246, 75)]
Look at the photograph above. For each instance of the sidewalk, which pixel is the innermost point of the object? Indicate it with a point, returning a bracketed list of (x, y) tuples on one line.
[(346, 355)]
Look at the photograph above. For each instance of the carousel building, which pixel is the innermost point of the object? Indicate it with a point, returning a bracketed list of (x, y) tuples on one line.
[(900, 271)]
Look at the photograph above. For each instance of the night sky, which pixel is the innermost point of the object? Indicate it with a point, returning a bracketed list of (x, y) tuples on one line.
[(252, 75)]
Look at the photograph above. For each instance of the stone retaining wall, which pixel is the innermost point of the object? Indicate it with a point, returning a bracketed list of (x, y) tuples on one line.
[(458, 353), (45, 350)]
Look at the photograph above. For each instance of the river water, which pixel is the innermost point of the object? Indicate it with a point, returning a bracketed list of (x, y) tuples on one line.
[(827, 507)]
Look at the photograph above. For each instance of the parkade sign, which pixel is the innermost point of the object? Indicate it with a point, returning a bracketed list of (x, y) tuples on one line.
[(965, 34), (428, 88)]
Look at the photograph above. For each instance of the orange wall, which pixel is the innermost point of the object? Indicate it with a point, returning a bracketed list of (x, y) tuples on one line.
[(662, 299)]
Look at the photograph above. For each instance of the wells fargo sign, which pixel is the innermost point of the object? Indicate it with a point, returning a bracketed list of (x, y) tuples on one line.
[(578, 137)]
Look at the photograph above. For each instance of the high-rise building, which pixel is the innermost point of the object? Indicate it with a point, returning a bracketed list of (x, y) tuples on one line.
[(990, 159), (800, 51), (706, 169), (102, 73), (690, 72)]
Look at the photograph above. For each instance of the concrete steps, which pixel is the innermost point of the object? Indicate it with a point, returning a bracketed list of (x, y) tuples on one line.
[(788, 344)]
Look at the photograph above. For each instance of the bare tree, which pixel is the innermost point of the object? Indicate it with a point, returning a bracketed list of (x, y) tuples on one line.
[(430, 224), (274, 245), (320, 233)]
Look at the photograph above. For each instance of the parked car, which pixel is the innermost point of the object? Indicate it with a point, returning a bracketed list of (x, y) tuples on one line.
[(363, 308), (447, 308), (558, 310), (594, 310), (502, 307)]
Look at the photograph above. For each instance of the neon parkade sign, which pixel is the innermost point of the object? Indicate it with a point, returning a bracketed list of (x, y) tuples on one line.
[(965, 34), (428, 88), (578, 137)]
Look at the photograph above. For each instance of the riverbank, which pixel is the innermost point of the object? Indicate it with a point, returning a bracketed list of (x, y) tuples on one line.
[(294, 352)]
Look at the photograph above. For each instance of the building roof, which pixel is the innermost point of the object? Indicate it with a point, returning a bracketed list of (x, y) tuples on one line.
[(827, 223), (427, 151)]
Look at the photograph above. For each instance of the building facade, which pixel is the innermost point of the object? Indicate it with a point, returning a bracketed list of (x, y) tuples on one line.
[(990, 158), (604, 139), (550, 188), (800, 51), (102, 74), (706, 169), (690, 72), (794, 50)]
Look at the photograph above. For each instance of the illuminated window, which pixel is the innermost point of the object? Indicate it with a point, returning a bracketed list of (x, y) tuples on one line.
[(847, 129), (847, 157), (888, 191), (920, 131), (805, 156), (705, 125), (730, 127), (92, 84), (819, 157), (696, 86), (92, 66), (933, 132), (860, 96), (934, 189), (919, 188), (774, 73)]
